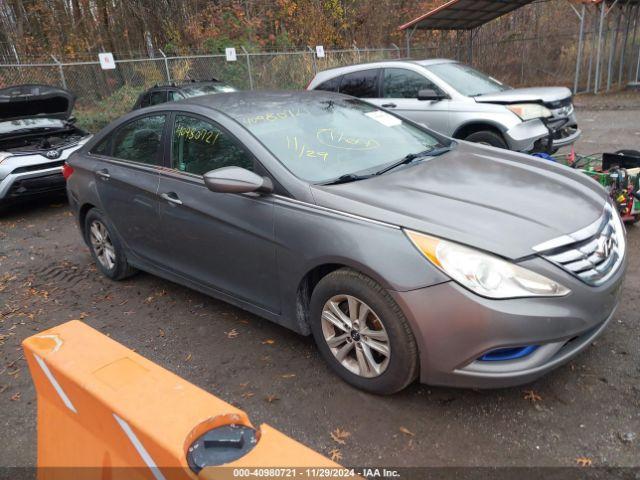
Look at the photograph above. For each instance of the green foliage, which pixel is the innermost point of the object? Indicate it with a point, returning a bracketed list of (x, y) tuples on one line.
[(93, 116)]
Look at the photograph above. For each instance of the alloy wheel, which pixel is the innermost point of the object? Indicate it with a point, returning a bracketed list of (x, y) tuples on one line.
[(102, 245), (356, 336)]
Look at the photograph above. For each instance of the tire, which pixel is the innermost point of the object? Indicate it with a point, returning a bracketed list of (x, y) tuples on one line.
[(384, 375), (487, 137), (108, 254)]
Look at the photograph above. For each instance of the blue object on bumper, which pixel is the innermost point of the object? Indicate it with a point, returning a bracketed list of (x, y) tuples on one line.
[(504, 354)]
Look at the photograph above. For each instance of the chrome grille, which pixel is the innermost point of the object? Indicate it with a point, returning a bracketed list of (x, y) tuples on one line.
[(592, 254)]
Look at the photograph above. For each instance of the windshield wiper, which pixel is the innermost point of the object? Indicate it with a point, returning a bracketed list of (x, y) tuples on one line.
[(348, 178), (412, 157)]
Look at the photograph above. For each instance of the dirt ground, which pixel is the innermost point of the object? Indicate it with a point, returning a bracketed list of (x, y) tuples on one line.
[(588, 408)]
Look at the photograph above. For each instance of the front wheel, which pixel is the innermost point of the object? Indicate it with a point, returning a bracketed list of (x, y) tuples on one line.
[(362, 333), (486, 137)]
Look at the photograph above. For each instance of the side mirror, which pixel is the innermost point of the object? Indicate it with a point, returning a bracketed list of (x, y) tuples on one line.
[(429, 94), (236, 180)]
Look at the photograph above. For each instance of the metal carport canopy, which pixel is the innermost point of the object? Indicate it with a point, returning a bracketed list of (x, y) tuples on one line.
[(464, 14)]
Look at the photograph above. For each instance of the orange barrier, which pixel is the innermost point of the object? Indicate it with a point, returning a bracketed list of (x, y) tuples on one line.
[(105, 412)]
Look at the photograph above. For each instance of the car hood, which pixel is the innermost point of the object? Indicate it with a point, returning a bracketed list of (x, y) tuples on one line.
[(495, 200), (517, 95), (29, 101)]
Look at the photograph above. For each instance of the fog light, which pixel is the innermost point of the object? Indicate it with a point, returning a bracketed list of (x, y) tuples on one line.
[(504, 354)]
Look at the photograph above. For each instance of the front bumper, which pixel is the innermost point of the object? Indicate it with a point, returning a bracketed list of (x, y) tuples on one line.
[(24, 183), (454, 328), (538, 135)]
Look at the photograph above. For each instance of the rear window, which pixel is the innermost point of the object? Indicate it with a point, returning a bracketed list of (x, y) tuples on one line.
[(362, 84), (330, 85)]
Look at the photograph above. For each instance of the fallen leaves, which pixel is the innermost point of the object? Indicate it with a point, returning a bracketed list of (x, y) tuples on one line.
[(188, 358), (406, 431), (15, 397), (271, 398), (335, 455), (340, 436), (268, 342), (584, 461), (161, 333), (288, 375), (247, 395), (232, 333), (532, 396)]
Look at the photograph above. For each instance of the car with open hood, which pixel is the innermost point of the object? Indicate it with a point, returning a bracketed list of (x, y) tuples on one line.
[(461, 102), (37, 134), (406, 254)]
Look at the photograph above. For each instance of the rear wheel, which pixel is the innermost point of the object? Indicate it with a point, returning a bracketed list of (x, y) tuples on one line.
[(486, 137), (362, 333), (105, 246)]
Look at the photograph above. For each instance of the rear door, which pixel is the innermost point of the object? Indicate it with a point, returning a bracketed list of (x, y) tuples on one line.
[(127, 176), (219, 240), (362, 84), (400, 87)]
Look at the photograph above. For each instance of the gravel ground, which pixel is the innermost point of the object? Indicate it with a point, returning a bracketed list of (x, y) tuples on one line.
[(588, 408)]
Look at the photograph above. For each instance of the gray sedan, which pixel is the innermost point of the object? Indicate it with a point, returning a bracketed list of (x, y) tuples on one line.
[(406, 254)]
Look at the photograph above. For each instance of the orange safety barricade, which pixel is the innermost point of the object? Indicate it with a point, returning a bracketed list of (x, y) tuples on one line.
[(105, 412)]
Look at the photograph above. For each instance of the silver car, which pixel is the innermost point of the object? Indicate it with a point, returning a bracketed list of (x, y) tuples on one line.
[(461, 102), (406, 254), (37, 134)]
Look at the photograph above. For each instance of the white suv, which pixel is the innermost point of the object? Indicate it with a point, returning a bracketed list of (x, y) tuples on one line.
[(37, 134), (461, 102)]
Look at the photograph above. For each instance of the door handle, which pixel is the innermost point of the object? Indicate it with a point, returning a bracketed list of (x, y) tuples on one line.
[(171, 198), (104, 174), (389, 105)]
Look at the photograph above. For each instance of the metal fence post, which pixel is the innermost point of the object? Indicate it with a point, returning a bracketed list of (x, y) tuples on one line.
[(397, 49), (248, 67), (603, 9), (61, 70), (166, 65), (313, 59)]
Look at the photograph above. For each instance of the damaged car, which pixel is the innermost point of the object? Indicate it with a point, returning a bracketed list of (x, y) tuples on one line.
[(37, 134), (333, 217), (461, 102)]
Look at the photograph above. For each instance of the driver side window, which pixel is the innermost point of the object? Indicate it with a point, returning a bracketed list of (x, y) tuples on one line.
[(402, 83), (199, 146)]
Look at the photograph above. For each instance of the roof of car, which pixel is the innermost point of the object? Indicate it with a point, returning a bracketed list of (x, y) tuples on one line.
[(186, 83), (262, 101), (332, 72)]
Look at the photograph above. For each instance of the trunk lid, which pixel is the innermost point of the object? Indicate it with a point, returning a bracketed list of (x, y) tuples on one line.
[(495, 200), (32, 101)]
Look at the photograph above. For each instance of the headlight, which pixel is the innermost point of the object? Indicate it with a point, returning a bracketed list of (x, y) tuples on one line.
[(529, 111), (482, 273)]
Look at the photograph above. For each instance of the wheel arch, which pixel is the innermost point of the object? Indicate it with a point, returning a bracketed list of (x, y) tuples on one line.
[(310, 280), (472, 127)]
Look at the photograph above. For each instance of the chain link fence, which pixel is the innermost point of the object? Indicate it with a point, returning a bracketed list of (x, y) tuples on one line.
[(106, 94)]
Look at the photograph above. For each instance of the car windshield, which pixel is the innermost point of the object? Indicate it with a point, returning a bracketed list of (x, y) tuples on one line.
[(466, 80), (322, 140), (197, 90), (29, 123)]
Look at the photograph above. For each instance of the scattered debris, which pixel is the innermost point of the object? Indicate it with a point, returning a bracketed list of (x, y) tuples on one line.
[(247, 395), (288, 375), (268, 342), (188, 358), (335, 455), (584, 461), (232, 333), (532, 396), (406, 431), (628, 437), (271, 398), (340, 436), (15, 397)]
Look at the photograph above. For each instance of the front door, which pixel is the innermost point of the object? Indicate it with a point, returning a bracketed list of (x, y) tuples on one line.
[(400, 87), (219, 240), (127, 178)]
